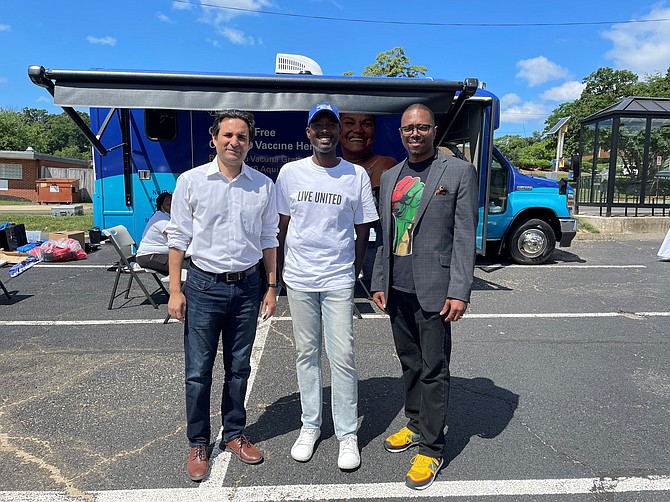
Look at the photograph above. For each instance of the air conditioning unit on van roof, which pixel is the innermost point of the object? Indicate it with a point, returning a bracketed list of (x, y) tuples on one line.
[(297, 65)]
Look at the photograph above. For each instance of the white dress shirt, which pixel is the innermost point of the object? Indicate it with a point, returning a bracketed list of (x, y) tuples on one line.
[(223, 225)]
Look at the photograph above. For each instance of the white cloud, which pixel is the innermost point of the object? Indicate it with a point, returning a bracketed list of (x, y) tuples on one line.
[(568, 91), (237, 37), (333, 2), (214, 13), (214, 43), (525, 112), (182, 5), (101, 40), (539, 70), (5, 27), (509, 100), (641, 47), (164, 18), (44, 99)]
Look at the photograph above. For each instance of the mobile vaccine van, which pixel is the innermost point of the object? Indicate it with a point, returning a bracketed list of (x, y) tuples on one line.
[(149, 127)]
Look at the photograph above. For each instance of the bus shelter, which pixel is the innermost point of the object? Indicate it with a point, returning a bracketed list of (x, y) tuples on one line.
[(625, 158)]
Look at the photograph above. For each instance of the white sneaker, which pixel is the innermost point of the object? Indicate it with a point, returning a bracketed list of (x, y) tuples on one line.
[(303, 448), (349, 458)]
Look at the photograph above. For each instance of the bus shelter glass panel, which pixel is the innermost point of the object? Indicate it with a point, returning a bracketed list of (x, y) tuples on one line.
[(586, 177), (602, 164), (659, 162), (630, 160)]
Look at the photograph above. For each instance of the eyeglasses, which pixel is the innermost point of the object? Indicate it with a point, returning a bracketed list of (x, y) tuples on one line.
[(420, 128)]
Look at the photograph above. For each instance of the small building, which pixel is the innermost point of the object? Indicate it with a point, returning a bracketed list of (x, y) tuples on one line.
[(625, 157), (19, 172)]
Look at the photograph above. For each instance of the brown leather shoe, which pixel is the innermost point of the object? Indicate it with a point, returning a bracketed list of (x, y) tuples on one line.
[(197, 464), (245, 451)]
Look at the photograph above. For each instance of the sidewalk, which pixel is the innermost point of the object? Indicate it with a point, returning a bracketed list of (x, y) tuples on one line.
[(621, 225), (41, 208)]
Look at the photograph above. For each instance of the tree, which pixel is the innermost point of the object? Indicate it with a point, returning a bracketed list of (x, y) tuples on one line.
[(65, 139), (16, 133), (526, 153), (604, 87), (44, 132), (393, 63)]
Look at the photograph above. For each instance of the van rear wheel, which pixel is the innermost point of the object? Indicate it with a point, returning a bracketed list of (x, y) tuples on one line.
[(532, 242)]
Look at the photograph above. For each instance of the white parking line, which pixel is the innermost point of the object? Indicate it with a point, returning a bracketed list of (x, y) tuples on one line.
[(535, 315), (556, 265), (444, 489), (220, 460)]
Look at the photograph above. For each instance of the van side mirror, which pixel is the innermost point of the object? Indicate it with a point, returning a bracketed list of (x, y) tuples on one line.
[(575, 165)]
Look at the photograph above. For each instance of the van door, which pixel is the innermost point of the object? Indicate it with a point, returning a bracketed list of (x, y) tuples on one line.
[(470, 137)]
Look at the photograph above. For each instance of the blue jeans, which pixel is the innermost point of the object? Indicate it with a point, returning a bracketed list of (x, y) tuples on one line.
[(217, 309), (336, 311)]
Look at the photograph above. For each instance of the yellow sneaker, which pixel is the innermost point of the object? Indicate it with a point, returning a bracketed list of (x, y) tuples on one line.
[(401, 440), (423, 471)]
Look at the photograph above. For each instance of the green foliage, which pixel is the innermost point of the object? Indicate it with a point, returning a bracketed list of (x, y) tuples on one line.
[(44, 132), (604, 87), (585, 226), (526, 153), (393, 63)]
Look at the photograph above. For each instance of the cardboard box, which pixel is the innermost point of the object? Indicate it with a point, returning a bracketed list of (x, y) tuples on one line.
[(79, 236), (12, 256)]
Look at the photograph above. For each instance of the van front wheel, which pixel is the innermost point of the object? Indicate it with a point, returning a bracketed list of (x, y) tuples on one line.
[(532, 242)]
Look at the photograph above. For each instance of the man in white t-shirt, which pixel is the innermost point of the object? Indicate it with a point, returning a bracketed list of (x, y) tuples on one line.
[(325, 208)]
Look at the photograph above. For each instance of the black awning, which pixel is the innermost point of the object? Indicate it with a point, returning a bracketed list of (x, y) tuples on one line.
[(207, 91)]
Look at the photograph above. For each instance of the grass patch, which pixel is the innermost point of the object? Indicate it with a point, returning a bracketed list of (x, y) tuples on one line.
[(585, 226), (48, 223), (14, 202)]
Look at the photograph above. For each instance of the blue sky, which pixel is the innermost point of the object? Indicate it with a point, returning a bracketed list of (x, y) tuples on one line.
[(532, 65)]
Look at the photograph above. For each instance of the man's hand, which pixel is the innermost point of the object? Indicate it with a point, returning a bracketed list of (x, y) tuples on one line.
[(177, 305), (380, 300), (269, 304), (454, 309)]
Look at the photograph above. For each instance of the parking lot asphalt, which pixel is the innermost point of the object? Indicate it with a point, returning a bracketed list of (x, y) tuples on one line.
[(560, 391)]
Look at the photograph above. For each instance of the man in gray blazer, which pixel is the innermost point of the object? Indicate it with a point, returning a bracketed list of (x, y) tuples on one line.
[(422, 278)]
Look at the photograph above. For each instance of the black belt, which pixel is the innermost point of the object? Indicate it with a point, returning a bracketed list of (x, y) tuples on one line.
[(227, 276)]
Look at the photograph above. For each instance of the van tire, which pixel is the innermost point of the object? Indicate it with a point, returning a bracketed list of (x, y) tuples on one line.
[(532, 242)]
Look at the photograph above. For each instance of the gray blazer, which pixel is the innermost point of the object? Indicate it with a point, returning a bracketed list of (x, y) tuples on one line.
[(443, 252)]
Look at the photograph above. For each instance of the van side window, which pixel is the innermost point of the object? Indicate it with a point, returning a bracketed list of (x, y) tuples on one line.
[(499, 186), (160, 125)]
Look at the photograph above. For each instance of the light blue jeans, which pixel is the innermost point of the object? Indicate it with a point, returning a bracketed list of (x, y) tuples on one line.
[(335, 309)]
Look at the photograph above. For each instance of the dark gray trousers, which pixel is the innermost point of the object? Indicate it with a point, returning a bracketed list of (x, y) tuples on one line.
[(423, 344)]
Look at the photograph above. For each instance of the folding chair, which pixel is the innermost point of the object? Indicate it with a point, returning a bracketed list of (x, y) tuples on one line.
[(125, 247)]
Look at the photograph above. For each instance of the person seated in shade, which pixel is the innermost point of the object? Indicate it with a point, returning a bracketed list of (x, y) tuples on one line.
[(153, 249)]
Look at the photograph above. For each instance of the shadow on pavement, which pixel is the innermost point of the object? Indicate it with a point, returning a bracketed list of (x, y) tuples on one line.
[(477, 407)]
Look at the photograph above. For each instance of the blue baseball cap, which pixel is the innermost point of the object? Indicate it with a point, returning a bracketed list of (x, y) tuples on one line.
[(323, 108)]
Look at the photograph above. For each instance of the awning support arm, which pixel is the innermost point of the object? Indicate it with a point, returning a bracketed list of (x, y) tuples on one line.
[(38, 75), (468, 90)]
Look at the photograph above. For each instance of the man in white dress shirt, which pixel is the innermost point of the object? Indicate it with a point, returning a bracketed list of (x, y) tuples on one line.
[(224, 218)]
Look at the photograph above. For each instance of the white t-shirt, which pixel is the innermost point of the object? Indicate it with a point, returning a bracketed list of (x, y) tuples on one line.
[(154, 240), (324, 205)]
